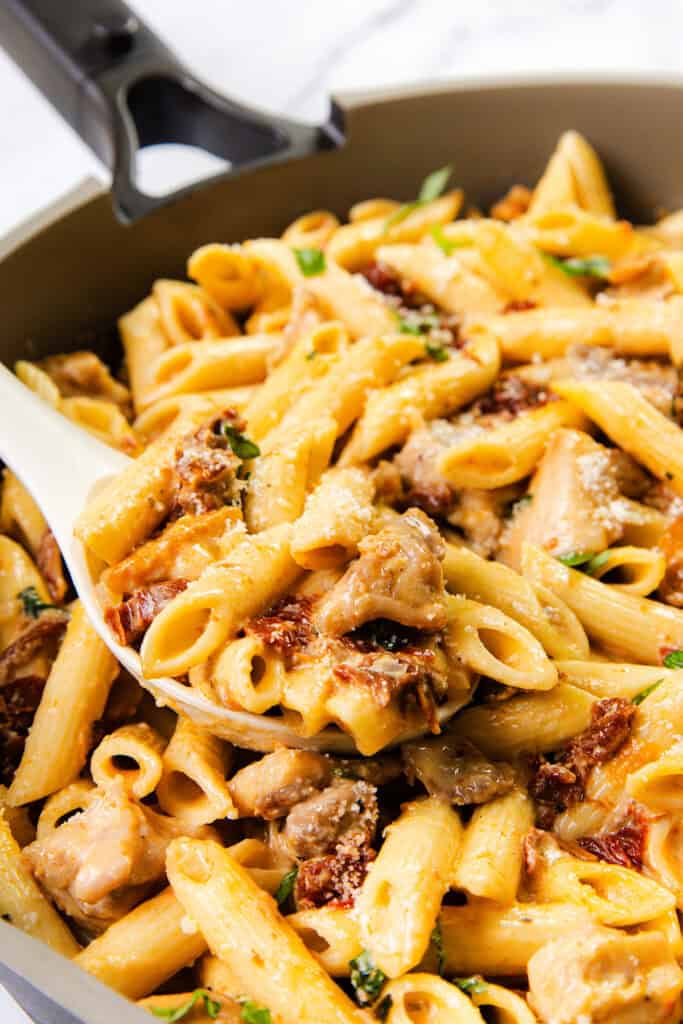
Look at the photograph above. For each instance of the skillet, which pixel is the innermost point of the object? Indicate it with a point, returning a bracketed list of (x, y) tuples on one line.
[(67, 275)]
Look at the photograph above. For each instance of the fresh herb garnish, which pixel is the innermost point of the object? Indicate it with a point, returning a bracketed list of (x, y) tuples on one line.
[(590, 266), (366, 979), (473, 985), (32, 603), (252, 1013), (286, 886), (170, 1014), (436, 351), (588, 561), (640, 697), (381, 1011), (241, 445), (447, 245), (436, 939), (311, 355), (417, 323), (431, 189), (311, 261), (674, 659)]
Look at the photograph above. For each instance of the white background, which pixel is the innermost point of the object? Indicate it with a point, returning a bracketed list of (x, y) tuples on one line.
[(287, 55)]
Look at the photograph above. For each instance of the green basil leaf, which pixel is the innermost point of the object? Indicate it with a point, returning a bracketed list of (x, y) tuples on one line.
[(640, 697), (596, 562), (475, 984), (436, 939), (172, 1015), (241, 445), (400, 214), (286, 886), (447, 245), (31, 602), (381, 1011), (576, 558), (366, 979), (434, 184), (311, 261), (674, 659), (590, 266), (252, 1013), (436, 351)]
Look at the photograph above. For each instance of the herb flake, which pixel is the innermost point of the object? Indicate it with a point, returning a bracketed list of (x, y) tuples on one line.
[(172, 1014), (674, 659), (436, 939), (576, 558), (590, 266), (436, 351), (242, 446), (367, 979), (252, 1013), (431, 189), (311, 261), (286, 887), (475, 985), (32, 603), (640, 697), (447, 245), (383, 1007)]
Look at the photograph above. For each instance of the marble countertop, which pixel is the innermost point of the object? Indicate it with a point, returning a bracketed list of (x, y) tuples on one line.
[(288, 58)]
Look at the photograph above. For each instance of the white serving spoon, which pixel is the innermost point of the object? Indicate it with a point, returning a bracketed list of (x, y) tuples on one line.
[(61, 464)]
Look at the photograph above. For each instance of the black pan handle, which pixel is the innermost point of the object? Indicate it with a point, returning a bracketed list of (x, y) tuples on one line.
[(121, 89)]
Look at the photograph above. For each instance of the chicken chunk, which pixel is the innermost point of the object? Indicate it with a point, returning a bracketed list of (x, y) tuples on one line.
[(317, 825), (398, 576), (270, 787), (598, 975), (453, 768), (102, 862)]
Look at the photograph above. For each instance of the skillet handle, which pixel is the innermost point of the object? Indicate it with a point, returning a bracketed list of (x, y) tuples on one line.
[(121, 89)]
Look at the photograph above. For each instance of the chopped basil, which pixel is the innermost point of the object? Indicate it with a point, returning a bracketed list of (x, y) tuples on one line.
[(241, 445), (674, 659), (436, 351), (170, 1014), (311, 261), (640, 697), (436, 939), (586, 561), (447, 245), (417, 323), (590, 266), (32, 603), (286, 886), (366, 979), (431, 189), (474, 985), (311, 355), (381, 1011), (252, 1013)]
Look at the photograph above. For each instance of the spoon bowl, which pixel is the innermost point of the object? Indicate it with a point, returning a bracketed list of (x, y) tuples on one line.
[(62, 465)]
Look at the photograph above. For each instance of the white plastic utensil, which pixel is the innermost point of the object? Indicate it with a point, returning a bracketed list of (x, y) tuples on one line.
[(61, 465)]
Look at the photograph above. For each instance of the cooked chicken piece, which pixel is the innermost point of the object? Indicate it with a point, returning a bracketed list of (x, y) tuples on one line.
[(417, 464), (453, 768), (398, 576), (376, 770), (481, 515), (575, 503), (317, 825), (101, 862), (271, 786), (602, 976)]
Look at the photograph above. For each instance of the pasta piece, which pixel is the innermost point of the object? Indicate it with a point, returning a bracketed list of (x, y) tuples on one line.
[(59, 807), (143, 342), (634, 628), (610, 679), (210, 611), (508, 1007), (73, 699), (495, 645), (447, 281), (490, 864), (658, 784), (574, 174), (508, 452), (332, 935), (156, 419), (132, 754), (194, 788), (399, 901), (145, 948), (528, 723), (631, 422), (631, 327), (245, 674), (546, 617), (433, 998), (313, 230), (639, 570), (566, 230), (18, 574), (337, 515), (227, 274), (428, 392), (188, 314), (23, 903), (243, 928)]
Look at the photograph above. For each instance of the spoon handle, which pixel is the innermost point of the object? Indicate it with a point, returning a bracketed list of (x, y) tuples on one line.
[(57, 461)]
